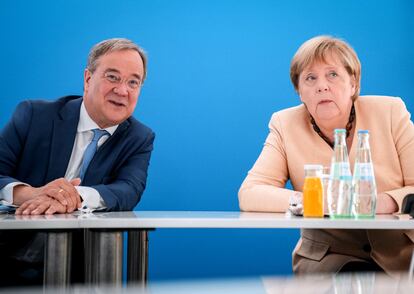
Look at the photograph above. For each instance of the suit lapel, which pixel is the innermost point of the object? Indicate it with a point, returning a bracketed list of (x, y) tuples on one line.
[(64, 132), (104, 155)]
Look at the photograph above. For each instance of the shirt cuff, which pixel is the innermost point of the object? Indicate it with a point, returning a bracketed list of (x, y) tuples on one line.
[(92, 200), (6, 194)]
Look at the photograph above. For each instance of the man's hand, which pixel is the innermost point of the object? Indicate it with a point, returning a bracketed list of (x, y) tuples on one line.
[(60, 190), (41, 205)]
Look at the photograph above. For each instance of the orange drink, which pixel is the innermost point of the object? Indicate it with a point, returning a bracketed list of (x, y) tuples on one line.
[(313, 192)]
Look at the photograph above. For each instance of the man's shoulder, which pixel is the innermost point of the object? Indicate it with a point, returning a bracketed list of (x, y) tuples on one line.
[(138, 128), (44, 109), (43, 105), (57, 103)]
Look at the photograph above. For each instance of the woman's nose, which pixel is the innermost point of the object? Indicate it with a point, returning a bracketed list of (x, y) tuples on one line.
[(322, 86)]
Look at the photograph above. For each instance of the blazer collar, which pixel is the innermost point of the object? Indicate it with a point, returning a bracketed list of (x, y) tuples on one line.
[(64, 134), (63, 137)]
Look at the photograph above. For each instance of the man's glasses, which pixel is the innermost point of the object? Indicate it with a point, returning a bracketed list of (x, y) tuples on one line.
[(114, 78)]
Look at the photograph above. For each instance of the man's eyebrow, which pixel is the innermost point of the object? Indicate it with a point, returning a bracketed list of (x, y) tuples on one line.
[(112, 69), (137, 76)]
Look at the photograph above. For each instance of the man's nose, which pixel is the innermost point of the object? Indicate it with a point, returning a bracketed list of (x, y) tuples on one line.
[(121, 89)]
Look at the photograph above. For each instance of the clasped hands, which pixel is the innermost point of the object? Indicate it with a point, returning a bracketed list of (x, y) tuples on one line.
[(58, 196)]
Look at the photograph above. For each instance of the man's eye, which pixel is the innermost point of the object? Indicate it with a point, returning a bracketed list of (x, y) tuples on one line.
[(112, 78), (134, 83)]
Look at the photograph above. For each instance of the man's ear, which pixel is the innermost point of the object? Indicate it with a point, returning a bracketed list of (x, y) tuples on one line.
[(86, 79)]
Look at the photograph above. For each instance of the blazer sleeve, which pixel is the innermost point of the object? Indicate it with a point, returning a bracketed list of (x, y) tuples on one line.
[(263, 189), (124, 191), (403, 135), (12, 141)]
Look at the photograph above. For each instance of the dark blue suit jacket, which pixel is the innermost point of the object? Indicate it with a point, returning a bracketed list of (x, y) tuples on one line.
[(36, 145)]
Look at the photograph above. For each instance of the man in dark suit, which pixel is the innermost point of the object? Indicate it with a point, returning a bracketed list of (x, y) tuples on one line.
[(75, 153)]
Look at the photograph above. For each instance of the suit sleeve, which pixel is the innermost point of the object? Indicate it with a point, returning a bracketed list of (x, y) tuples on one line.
[(263, 189), (125, 191), (12, 141), (403, 135)]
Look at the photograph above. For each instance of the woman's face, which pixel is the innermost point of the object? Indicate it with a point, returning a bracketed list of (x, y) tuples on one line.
[(326, 89)]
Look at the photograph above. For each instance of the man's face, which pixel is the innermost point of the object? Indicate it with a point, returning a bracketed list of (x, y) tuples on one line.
[(111, 91)]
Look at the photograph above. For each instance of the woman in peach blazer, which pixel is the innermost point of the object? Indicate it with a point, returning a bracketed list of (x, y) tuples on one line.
[(325, 72)]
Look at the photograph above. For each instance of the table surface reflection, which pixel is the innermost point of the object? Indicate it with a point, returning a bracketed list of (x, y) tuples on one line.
[(197, 219), (366, 283)]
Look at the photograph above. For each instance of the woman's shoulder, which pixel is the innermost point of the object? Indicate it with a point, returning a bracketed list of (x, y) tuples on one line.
[(377, 101), (293, 117), (291, 113)]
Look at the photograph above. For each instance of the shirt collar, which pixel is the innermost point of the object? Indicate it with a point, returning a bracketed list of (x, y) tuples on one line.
[(86, 123)]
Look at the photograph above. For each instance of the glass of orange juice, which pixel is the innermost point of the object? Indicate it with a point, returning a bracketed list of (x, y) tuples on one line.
[(313, 191)]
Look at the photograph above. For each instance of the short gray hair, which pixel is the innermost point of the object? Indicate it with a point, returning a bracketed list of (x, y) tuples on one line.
[(111, 45)]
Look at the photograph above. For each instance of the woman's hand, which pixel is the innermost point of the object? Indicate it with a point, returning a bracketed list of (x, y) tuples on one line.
[(386, 204)]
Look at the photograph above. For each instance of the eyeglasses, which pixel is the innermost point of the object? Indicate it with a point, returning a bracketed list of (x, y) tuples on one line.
[(114, 78)]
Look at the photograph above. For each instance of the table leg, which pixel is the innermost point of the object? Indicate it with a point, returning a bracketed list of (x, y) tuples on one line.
[(137, 257), (103, 257), (57, 259)]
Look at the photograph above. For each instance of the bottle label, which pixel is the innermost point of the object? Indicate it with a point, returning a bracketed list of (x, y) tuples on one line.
[(339, 169), (364, 170)]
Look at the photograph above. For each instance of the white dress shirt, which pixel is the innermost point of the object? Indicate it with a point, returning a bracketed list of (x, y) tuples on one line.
[(92, 200)]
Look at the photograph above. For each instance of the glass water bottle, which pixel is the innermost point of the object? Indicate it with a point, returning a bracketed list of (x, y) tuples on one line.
[(340, 181), (365, 190)]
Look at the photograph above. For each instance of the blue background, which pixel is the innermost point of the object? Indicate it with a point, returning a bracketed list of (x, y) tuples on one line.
[(217, 71)]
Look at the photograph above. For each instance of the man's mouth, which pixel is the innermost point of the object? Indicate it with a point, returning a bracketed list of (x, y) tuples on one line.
[(116, 103)]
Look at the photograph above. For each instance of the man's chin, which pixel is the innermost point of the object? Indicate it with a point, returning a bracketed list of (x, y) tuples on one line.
[(113, 121)]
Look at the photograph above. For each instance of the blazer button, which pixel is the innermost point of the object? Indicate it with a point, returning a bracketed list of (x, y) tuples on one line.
[(367, 248)]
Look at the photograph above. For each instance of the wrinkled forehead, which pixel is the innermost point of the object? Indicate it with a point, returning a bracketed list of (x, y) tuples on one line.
[(122, 61)]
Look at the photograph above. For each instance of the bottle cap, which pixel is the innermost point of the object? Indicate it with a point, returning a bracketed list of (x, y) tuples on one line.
[(363, 132), (313, 166), (340, 131)]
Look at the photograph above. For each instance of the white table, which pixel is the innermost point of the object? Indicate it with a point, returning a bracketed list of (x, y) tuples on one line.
[(358, 283), (225, 219), (104, 236)]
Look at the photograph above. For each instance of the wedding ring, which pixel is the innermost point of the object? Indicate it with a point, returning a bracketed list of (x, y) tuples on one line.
[(61, 190)]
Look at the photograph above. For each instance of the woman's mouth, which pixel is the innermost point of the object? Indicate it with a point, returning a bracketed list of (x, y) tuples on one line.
[(325, 101)]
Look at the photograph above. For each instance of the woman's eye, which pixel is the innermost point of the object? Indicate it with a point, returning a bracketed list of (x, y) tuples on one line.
[(310, 78), (333, 74)]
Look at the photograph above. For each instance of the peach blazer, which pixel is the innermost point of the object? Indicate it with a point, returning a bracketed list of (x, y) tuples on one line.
[(292, 143)]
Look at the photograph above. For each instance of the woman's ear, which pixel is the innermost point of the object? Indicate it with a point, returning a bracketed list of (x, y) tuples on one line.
[(300, 96), (353, 85)]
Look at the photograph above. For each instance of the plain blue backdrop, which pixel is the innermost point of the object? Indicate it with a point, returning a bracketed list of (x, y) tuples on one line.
[(217, 71)]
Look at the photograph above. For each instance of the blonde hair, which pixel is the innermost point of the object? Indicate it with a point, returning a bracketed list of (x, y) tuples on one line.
[(318, 49)]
